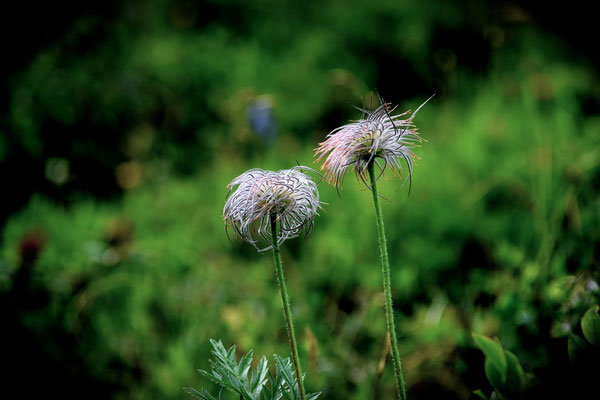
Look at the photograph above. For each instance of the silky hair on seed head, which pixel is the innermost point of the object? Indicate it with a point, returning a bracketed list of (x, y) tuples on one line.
[(379, 137), (290, 196)]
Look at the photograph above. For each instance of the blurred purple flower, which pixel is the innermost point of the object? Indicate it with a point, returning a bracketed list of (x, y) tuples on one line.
[(288, 195), (260, 117)]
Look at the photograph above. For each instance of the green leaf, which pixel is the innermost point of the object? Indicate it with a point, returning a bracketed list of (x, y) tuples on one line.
[(202, 395), (494, 375), (218, 379), (590, 324), (289, 385), (274, 392), (233, 376), (230, 355), (578, 348), (494, 353), (287, 381), (480, 394), (244, 366), (515, 377), (258, 379)]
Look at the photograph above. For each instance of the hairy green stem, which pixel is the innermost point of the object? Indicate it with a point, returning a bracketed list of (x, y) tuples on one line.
[(286, 307), (387, 286)]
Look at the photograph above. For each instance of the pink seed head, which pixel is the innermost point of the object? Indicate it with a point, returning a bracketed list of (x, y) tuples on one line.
[(378, 137), (290, 196)]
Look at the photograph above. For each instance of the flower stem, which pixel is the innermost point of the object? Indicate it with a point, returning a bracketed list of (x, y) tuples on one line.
[(286, 306), (387, 286)]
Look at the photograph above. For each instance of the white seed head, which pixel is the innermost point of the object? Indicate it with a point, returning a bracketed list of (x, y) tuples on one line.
[(378, 137), (289, 196)]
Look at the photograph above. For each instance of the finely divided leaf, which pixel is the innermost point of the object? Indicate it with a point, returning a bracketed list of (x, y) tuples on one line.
[(288, 381), (202, 395), (233, 376), (274, 391), (289, 386), (258, 379)]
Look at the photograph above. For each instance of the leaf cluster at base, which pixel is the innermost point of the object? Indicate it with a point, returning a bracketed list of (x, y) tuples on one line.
[(260, 385)]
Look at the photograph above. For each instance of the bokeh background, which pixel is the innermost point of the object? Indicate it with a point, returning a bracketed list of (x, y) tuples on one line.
[(123, 121)]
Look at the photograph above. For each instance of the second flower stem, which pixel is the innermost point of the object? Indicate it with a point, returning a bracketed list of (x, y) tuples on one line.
[(387, 286), (286, 306)]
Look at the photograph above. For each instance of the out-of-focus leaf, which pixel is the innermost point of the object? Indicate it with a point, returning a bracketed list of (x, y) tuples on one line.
[(494, 375), (590, 325), (515, 377), (480, 394), (502, 368), (577, 348), (494, 355)]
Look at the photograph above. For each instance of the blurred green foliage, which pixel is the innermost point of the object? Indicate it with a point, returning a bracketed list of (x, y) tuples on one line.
[(502, 369), (119, 137)]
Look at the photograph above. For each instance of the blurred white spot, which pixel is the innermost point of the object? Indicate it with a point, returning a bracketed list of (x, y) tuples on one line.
[(57, 170), (436, 309), (591, 285)]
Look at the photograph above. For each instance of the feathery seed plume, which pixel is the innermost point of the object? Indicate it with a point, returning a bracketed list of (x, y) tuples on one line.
[(288, 195), (377, 137)]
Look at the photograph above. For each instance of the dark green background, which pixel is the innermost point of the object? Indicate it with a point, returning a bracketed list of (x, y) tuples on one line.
[(123, 122)]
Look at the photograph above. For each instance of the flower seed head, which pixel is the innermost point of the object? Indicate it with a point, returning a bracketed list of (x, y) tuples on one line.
[(289, 196), (378, 137)]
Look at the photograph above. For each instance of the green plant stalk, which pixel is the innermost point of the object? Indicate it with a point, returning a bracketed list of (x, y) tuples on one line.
[(387, 286), (286, 307)]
